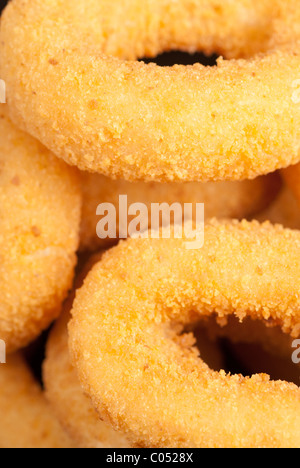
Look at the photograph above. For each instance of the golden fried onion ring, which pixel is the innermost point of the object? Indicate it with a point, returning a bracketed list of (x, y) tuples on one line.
[(73, 83), (40, 202), (124, 342), (72, 407)]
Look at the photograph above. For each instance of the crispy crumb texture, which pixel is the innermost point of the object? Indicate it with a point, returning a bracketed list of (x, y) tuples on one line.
[(75, 85), (124, 337), (40, 203), (72, 407)]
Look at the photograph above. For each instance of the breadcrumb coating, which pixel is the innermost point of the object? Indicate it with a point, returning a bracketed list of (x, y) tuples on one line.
[(140, 376), (71, 405), (64, 392), (74, 83), (40, 202)]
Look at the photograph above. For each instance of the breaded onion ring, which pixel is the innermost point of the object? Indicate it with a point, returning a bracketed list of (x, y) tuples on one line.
[(72, 407), (69, 85), (124, 343), (26, 418), (40, 203), (221, 199), (65, 394)]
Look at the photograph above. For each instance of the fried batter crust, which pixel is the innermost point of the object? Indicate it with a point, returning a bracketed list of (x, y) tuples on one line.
[(40, 201), (73, 82), (124, 341), (63, 390)]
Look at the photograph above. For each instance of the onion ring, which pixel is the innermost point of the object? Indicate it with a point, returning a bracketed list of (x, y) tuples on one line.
[(26, 418), (70, 86), (65, 394), (221, 199), (72, 407), (123, 337), (40, 202)]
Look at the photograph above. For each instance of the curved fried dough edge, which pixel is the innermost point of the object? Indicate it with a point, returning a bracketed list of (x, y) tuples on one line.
[(143, 122), (40, 201), (26, 418), (71, 406), (124, 343), (65, 394)]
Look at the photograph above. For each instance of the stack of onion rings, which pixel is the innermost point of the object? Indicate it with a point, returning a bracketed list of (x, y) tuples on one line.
[(138, 371)]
